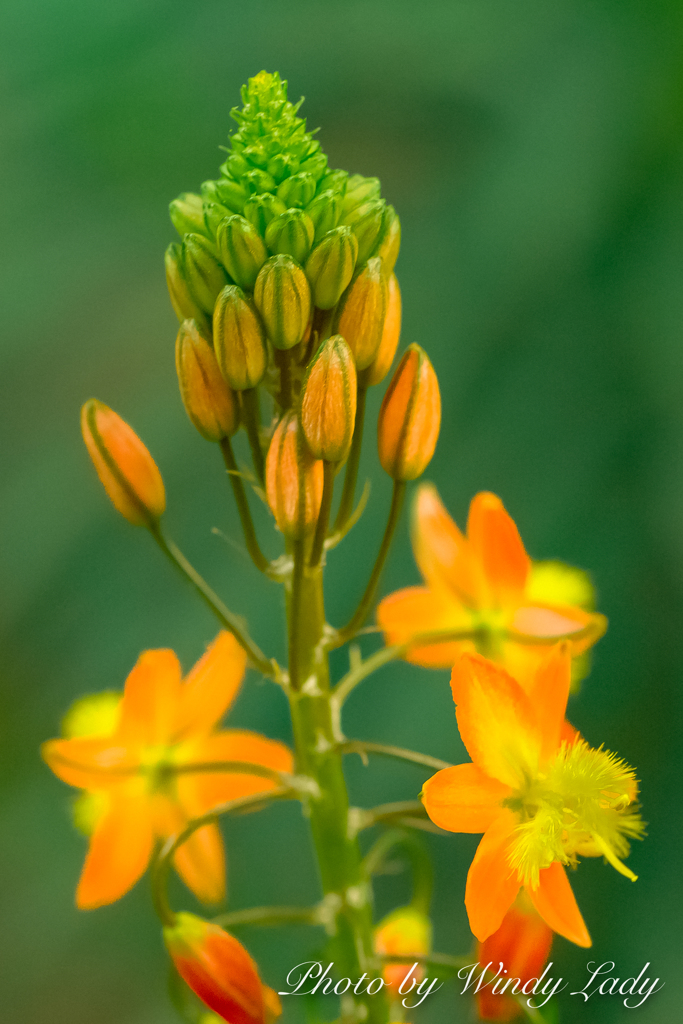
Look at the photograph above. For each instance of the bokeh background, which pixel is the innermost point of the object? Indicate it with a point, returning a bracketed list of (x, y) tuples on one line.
[(533, 150)]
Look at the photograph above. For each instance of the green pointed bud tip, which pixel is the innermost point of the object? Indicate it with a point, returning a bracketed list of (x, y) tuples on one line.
[(204, 274), (261, 210), (214, 213), (235, 166), (241, 250), (257, 181), (292, 234), (366, 223), (315, 165), (336, 180), (389, 240), (283, 298), (324, 211), (281, 166), (238, 340), (330, 266), (297, 190), (187, 213), (229, 193), (359, 190)]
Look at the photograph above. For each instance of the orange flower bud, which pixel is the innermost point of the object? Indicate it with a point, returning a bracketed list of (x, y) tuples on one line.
[(208, 400), (126, 470), (219, 970), (360, 319), (410, 417), (238, 339), (378, 369), (522, 944), (294, 480), (406, 931), (328, 405)]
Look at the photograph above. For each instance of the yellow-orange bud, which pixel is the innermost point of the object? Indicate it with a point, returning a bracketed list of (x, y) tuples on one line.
[(360, 319), (282, 296), (294, 480), (238, 339), (410, 417), (381, 364), (328, 404), (208, 401), (126, 470), (404, 932)]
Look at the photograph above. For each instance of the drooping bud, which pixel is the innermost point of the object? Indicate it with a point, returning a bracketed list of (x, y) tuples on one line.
[(187, 213), (283, 298), (297, 190), (522, 944), (219, 971), (204, 274), (330, 266), (389, 241), (208, 400), (328, 403), (324, 211), (238, 340), (379, 368), (184, 304), (261, 210), (410, 417), (241, 249), (360, 318), (126, 470), (366, 222), (294, 480), (359, 190), (292, 234), (405, 932)]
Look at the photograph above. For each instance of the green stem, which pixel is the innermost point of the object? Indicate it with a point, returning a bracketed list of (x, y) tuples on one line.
[(406, 813), (250, 539), (252, 421), (211, 599), (295, 600), (358, 617), (324, 514), (268, 917), (420, 863), (399, 753), (351, 473)]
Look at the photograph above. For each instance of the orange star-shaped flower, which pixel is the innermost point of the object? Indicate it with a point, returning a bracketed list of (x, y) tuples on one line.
[(481, 585), (537, 791), (140, 776)]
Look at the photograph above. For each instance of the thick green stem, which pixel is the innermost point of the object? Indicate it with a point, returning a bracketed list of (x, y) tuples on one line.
[(324, 514), (351, 472), (252, 421), (250, 539)]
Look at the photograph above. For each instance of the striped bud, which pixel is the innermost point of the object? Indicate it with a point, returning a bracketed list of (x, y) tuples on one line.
[(330, 266), (359, 190), (126, 470), (235, 166), (389, 241), (187, 213), (410, 417), (298, 190), (258, 181), (204, 274), (282, 165), (238, 340), (214, 213), (294, 480), (261, 210), (360, 318), (366, 224), (291, 233), (328, 403), (324, 211), (379, 368), (241, 249), (283, 298), (228, 193), (209, 402), (184, 303), (336, 180)]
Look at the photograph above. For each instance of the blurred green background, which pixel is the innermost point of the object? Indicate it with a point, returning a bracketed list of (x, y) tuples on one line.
[(533, 150)]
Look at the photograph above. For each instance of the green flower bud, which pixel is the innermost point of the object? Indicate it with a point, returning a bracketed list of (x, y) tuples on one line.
[(238, 340), (260, 210), (315, 165), (335, 180), (359, 190), (256, 155), (204, 274), (298, 190), (258, 181), (360, 318), (187, 213), (184, 304), (292, 233), (366, 223), (241, 249), (226, 192), (324, 211), (330, 266), (214, 213), (389, 241), (283, 298), (235, 166), (282, 165)]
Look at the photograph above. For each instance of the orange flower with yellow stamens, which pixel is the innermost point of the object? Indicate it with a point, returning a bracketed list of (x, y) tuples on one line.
[(481, 584), (540, 799), (136, 770)]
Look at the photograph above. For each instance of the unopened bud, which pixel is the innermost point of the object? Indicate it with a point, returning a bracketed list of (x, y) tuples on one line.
[(258, 181), (214, 213), (204, 274), (324, 211), (238, 340), (297, 190), (336, 180), (361, 317), (328, 404), (410, 417), (315, 165), (242, 250), (208, 400), (187, 213), (366, 222), (184, 303), (235, 165), (379, 368), (261, 210), (126, 470), (283, 298), (405, 932), (389, 241), (282, 165), (291, 233), (294, 480), (330, 266), (226, 192), (359, 190)]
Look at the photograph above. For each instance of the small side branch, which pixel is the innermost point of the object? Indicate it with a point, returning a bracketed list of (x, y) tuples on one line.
[(269, 917), (399, 753)]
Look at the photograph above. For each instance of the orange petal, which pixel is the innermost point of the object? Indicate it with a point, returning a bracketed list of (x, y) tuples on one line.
[(496, 720), (555, 902), (88, 762), (199, 792), (441, 551), (492, 885), (120, 848), (582, 628), (549, 696), (212, 685), (496, 543), (200, 862), (151, 695), (414, 610), (463, 798)]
